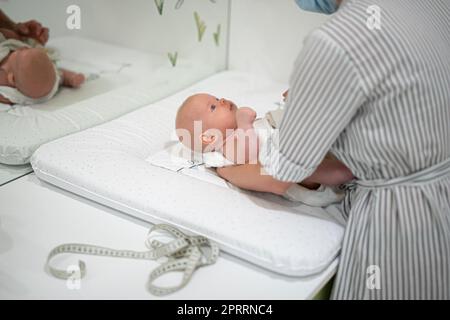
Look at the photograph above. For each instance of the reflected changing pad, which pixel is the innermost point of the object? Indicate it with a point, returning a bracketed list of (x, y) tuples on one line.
[(119, 80), (108, 164)]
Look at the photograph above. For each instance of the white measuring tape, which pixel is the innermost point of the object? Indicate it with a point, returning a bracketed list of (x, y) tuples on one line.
[(184, 253)]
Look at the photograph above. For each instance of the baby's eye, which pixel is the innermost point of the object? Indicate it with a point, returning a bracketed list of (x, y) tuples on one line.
[(213, 107)]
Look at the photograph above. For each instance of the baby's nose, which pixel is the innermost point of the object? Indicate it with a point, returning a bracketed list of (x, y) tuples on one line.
[(222, 101)]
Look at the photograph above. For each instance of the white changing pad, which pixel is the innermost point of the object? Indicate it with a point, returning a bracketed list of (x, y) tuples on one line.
[(108, 164), (119, 80)]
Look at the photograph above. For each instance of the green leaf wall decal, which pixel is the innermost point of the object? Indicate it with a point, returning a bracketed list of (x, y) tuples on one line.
[(179, 4), (201, 26), (173, 58), (159, 5), (216, 35)]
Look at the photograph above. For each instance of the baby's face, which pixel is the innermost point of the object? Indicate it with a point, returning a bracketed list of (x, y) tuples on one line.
[(10, 66), (214, 113), (30, 71)]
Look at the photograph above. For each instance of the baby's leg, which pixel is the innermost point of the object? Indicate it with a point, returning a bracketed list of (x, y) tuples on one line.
[(71, 79)]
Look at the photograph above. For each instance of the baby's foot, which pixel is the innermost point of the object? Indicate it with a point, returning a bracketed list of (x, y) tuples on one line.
[(75, 80)]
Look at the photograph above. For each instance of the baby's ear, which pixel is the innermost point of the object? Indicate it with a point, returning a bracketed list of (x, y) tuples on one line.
[(207, 139), (11, 79)]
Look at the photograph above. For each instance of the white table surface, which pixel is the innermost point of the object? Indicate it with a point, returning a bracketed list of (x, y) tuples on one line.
[(10, 173), (36, 216)]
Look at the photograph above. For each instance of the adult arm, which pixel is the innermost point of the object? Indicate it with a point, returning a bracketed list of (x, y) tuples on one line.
[(324, 96)]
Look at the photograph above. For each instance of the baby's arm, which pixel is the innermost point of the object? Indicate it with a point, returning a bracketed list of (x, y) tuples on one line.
[(331, 172), (249, 177), (10, 34), (29, 29), (4, 100), (71, 79)]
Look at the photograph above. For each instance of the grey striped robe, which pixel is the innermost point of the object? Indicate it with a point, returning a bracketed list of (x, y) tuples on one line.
[(379, 100)]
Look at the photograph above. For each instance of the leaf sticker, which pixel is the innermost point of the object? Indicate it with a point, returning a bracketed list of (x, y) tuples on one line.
[(216, 36), (173, 58), (159, 5), (179, 4), (201, 26)]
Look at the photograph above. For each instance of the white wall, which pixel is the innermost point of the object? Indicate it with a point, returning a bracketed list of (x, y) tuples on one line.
[(136, 24), (266, 36)]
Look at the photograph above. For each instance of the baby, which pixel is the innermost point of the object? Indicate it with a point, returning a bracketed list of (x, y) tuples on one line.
[(226, 136), (27, 73)]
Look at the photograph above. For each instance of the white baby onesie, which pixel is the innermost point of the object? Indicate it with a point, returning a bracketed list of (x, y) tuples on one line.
[(264, 127), (12, 94)]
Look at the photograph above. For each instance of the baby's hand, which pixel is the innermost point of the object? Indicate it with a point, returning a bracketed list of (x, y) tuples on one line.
[(32, 29), (75, 80), (245, 117)]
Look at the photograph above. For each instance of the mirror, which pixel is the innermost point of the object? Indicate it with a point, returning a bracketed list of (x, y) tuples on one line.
[(131, 54)]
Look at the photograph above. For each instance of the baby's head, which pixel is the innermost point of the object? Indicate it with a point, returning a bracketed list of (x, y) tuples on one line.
[(206, 119), (30, 71)]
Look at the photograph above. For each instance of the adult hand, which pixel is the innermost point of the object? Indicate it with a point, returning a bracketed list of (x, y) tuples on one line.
[(33, 29)]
